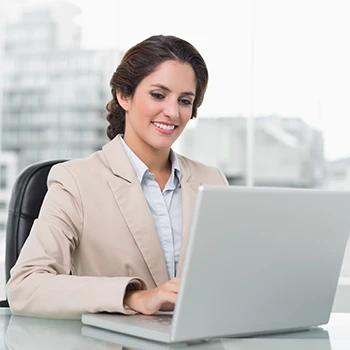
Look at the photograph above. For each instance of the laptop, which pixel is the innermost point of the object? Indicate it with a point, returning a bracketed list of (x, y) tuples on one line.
[(258, 261), (314, 339)]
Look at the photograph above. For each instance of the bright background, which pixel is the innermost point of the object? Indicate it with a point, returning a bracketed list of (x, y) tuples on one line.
[(279, 59)]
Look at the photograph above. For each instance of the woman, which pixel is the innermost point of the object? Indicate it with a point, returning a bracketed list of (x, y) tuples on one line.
[(112, 229)]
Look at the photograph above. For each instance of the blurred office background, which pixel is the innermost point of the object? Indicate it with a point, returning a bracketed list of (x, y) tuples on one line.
[(276, 112)]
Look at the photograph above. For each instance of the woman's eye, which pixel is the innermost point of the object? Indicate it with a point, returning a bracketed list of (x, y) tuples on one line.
[(185, 101), (157, 95)]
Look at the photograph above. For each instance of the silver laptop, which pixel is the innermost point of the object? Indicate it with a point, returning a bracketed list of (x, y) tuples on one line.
[(258, 260), (314, 339)]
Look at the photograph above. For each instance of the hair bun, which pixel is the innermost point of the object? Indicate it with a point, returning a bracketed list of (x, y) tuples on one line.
[(112, 106)]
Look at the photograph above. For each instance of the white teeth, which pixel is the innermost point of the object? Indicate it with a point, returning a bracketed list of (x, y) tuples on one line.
[(163, 126)]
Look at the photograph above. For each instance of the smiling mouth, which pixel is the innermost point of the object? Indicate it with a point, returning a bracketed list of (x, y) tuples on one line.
[(164, 126)]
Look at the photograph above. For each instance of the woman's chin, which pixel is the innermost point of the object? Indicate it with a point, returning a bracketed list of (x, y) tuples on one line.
[(163, 143)]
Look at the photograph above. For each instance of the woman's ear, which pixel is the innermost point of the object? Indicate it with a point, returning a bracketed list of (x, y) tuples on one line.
[(123, 100)]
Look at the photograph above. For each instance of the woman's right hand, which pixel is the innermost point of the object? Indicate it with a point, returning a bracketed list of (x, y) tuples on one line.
[(148, 302)]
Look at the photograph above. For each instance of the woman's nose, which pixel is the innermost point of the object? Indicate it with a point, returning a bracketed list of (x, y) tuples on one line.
[(171, 109)]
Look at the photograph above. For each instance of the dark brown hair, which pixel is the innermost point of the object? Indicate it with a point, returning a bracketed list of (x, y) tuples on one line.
[(142, 60)]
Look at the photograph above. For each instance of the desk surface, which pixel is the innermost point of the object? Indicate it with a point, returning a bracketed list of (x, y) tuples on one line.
[(33, 333)]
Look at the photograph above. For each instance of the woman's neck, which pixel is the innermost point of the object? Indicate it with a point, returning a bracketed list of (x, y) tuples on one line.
[(157, 161)]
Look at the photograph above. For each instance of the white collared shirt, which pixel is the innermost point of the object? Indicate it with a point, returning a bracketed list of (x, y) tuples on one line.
[(165, 206)]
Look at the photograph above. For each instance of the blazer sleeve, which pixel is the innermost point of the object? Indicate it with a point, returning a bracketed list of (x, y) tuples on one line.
[(40, 283)]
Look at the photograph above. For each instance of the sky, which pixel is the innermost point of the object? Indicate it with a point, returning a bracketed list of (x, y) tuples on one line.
[(288, 58)]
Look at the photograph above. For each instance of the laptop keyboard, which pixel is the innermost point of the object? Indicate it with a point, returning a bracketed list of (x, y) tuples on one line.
[(163, 320)]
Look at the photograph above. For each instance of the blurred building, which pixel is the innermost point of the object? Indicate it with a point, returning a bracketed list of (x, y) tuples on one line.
[(338, 174), (287, 151), (8, 173), (55, 92)]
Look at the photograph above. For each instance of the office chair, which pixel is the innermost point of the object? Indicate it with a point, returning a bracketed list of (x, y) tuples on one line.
[(27, 196)]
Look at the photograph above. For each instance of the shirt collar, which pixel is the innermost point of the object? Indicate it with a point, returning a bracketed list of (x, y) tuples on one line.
[(141, 169), (175, 165)]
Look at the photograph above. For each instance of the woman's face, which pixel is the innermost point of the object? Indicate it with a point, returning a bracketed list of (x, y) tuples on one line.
[(161, 107)]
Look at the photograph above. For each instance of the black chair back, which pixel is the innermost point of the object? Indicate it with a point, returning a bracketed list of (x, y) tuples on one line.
[(27, 196)]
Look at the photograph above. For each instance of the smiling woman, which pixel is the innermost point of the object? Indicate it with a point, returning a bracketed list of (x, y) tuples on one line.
[(115, 225), (159, 110), (280, 90), (156, 90)]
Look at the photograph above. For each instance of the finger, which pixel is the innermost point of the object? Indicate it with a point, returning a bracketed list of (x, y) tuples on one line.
[(154, 302), (170, 298), (174, 281), (167, 307), (171, 287), (165, 296)]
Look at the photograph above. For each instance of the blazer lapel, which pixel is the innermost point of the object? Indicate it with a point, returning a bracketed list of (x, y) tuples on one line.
[(134, 208), (189, 187)]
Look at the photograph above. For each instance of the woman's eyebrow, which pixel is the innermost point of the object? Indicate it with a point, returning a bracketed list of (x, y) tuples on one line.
[(163, 87)]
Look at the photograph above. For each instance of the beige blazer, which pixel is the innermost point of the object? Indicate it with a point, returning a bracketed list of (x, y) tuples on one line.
[(95, 223)]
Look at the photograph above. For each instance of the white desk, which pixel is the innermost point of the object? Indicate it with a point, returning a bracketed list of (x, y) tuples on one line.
[(32, 333)]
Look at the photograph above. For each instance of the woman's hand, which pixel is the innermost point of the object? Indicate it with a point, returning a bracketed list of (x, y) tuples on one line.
[(147, 302)]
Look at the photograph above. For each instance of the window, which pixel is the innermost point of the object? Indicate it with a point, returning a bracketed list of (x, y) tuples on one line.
[(3, 176)]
